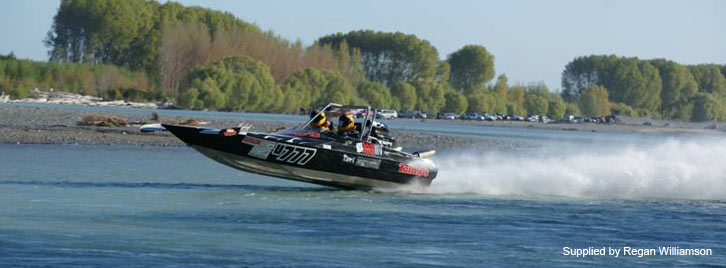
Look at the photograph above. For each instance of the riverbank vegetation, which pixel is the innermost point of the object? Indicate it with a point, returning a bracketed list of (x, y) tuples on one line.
[(203, 59)]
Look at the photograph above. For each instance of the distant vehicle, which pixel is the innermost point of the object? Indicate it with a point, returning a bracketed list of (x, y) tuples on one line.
[(568, 118), (406, 114), (448, 116), (388, 114), (582, 119), (422, 115), (513, 117), (544, 119), (474, 116), (603, 119), (492, 117), (533, 118), (412, 114)]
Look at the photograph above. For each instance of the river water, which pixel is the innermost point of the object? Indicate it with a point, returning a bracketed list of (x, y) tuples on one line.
[(70, 206)]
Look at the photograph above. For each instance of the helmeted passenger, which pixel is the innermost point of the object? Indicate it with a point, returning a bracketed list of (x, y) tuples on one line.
[(346, 126), (320, 121)]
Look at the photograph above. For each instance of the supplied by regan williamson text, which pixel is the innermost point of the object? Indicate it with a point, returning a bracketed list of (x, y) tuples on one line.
[(635, 252)]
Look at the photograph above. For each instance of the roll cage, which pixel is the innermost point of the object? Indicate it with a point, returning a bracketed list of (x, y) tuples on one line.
[(365, 114)]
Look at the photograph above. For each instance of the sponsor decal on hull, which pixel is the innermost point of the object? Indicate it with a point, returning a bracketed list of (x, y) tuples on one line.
[(406, 169), (293, 154), (311, 134), (260, 148), (362, 161), (369, 148), (348, 159), (367, 162)]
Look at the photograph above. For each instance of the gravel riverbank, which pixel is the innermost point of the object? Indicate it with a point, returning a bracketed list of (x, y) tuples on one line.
[(35, 125), (42, 125)]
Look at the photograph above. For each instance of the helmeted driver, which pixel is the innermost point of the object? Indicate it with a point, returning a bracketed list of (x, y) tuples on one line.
[(320, 121), (346, 126)]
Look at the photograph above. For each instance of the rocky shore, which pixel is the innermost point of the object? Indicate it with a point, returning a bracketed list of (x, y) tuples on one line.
[(65, 98), (35, 125), (39, 125)]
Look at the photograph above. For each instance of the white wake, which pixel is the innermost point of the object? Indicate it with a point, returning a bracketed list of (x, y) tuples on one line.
[(670, 169)]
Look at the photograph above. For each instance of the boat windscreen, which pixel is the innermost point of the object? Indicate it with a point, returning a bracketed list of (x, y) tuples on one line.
[(334, 111), (301, 131)]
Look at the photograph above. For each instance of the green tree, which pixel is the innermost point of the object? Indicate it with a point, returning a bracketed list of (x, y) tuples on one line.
[(405, 95), (430, 95), (709, 78), (679, 88), (338, 90), (471, 67), (619, 108), (636, 84), (210, 94), (455, 102), (629, 80), (483, 102), (501, 86), (594, 101), (556, 108), (572, 109), (246, 83), (375, 94), (389, 57), (310, 87), (122, 32), (17, 76), (515, 100), (535, 104), (443, 71), (583, 72), (708, 107), (500, 105), (188, 98)]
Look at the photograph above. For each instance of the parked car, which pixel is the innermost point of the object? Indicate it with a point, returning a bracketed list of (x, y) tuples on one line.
[(513, 117), (388, 114), (544, 119), (533, 118), (581, 119), (406, 114), (412, 114), (422, 115), (448, 116), (492, 117), (474, 116), (568, 118)]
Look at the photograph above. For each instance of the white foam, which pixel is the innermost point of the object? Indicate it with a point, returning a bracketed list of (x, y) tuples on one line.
[(670, 169)]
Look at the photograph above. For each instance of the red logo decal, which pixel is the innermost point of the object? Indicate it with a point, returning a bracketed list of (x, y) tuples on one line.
[(369, 149), (311, 134), (251, 140), (372, 149), (406, 169)]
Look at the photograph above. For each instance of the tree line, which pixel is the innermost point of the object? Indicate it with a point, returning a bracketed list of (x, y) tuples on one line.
[(658, 88), (204, 59), (18, 77)]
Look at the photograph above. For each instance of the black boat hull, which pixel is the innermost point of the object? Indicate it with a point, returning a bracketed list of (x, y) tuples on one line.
[(309, 160)]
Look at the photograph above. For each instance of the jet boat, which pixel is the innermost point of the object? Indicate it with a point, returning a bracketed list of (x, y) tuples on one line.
[(366, 160)]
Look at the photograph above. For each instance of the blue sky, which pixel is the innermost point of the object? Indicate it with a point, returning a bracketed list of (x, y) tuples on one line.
[(531, 40)]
